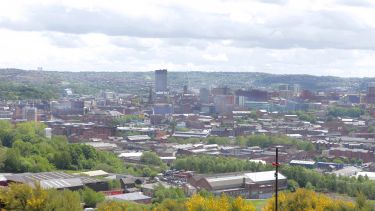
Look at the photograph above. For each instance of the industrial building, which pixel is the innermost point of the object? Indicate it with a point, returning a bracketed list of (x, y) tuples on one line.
[(55, 180), (250, 185)]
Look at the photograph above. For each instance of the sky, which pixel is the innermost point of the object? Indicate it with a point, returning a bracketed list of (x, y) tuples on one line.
[(327, 37)]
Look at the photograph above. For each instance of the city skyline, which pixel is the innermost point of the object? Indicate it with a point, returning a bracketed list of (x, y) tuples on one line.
[(283, 37)]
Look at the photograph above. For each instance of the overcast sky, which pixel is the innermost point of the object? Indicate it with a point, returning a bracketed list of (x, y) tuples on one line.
[(328, 37)]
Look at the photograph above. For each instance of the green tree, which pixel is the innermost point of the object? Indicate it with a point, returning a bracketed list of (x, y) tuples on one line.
[(90, 197), (114, 184), (62, 200), (151, 158), (162, 193), (293, 185)]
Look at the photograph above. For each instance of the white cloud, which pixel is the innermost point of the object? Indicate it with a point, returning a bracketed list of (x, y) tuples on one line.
[(277, 36)]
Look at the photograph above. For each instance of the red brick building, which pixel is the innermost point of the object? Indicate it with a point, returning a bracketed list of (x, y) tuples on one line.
[(253, 185), (362, 154)]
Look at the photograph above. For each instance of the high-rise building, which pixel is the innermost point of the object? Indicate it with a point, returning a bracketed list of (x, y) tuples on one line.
[(161, 80), (224, 103), (204, 95), (289, 91), (371, 93)]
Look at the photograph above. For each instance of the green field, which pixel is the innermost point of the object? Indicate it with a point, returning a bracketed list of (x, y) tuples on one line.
[(258, 203)]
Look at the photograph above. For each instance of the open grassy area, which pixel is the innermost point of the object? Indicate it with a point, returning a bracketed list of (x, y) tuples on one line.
[(258, 203)]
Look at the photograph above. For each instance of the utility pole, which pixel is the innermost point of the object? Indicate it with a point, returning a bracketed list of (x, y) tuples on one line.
[(276, 165)]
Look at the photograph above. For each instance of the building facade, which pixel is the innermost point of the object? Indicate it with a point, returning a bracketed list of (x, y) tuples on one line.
[(161, 80)]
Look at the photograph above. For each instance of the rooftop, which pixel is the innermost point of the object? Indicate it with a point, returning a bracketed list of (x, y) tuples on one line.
[(129, 196), (263, 176)]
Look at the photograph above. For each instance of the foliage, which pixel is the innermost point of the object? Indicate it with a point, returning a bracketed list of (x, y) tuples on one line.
[(218, 140), (24, 197), (139, 170), (113, 205), (345, 112), (252, 140), (352, 161), (310, 179), (13, 91), (210, 164), (90, 197), (170, 205), (307, 200), (126, 119), (293, 185), (266, 141), (185, 141), (62, 200), (362, 203), (114, 184), (306, 116), (197, 202), (27, 150), (162, 193), (151, 158)]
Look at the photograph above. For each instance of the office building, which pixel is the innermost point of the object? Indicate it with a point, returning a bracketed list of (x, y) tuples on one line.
[(371, 93), (161, 80), (204, 95)]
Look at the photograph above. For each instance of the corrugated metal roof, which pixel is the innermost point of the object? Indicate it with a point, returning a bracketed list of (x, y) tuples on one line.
[(52, 179), (61, 183), (225, 182), (129, 196)]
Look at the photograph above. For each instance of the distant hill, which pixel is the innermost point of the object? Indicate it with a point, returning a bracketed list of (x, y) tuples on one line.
[(139, 82)]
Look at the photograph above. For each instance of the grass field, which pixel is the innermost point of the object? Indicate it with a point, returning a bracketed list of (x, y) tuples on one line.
[(259, 203)]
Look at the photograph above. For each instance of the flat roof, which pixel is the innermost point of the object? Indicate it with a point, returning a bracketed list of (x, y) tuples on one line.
[(130, 154), (305, 162), (101, 144), (95, 173), (263, 176), (370, 175), (129, 196), (138, 137)]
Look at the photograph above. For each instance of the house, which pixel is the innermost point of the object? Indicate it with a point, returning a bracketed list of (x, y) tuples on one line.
[(128, 183)]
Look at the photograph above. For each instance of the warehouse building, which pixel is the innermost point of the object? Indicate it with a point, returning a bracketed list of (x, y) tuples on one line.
[(250, 185), (56, 180)]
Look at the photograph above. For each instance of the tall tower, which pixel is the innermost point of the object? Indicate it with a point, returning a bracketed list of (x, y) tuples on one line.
[(161, 80), (371, 93), (150, 95)]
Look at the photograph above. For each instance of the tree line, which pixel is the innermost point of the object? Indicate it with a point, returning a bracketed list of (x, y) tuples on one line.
[(212, 164), (25, 197), (25, 149), (345, 112), (13, 91), (299, 177), (311, 179), (267, 141), (250, 141)]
